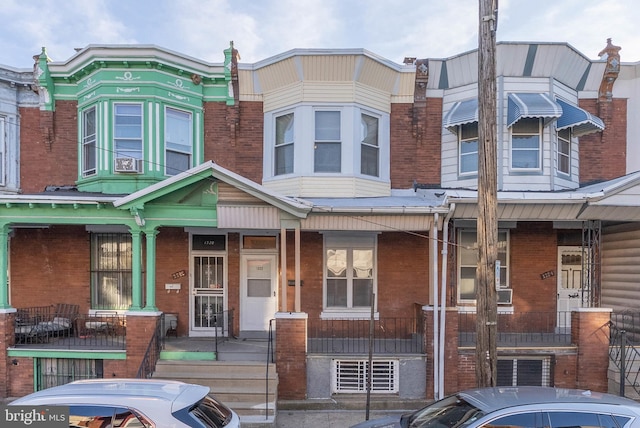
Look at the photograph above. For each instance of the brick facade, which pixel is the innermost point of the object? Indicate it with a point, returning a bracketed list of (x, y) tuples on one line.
[(291, 356)]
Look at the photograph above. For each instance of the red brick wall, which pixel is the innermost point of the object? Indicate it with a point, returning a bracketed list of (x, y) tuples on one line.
[(233, 278), (565, 370), (50, 266), (172, 255), (533, 250), (48, 147), (140, 328), (291, 359), (412, 157), (233, 137), (397, 255), (590, 330), (603, 155)]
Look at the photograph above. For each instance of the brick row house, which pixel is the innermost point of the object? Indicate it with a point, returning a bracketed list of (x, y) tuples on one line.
[(309, 196)]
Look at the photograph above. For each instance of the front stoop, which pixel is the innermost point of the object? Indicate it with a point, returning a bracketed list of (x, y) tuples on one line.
[(248, 387)]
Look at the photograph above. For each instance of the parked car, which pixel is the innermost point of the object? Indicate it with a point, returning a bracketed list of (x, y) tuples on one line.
[(135, 403), (513, 407)]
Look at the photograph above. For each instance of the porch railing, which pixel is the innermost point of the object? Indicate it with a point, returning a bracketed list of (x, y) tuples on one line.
[(41, 326), (521, 329), (152, 354), (351, 336)]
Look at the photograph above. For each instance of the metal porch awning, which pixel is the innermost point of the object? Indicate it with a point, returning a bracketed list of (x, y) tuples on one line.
[(580, 121), (527, 105)]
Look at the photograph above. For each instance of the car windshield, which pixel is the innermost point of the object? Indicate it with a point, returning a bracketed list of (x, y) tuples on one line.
[(450, 412), (211, 412)]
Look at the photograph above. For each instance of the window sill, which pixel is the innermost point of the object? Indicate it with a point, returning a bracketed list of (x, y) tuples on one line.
[(502, 309), (329, 314)]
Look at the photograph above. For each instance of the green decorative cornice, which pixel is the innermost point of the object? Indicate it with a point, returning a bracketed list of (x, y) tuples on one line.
[(46, 87)]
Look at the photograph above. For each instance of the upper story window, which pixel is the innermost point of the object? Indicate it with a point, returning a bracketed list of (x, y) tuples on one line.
[(284, 144), (564, 151), (468, 263), (526, 142), (327, 145), (89, 142), (370, 149), (178, 141), (349, 274), (127, 133), (468, 143)]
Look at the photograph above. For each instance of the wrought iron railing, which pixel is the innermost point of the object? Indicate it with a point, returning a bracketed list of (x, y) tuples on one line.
[(623, 352), (352, 336), (42, 326), (152, 354), (521, 329)]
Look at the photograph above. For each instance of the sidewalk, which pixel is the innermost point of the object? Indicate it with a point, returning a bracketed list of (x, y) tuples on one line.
[(327, 418)]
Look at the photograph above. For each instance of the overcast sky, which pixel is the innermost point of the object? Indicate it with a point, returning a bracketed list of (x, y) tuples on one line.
[(392, 29)]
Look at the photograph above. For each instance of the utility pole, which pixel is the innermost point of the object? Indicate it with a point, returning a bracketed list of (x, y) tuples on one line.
[(486, 300)]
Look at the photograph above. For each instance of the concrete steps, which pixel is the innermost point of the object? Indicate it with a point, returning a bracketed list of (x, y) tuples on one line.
[(245, 386)]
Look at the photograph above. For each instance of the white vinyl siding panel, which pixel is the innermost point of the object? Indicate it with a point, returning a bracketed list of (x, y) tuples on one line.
[(406, 87), (329, 187), (329, 68), (564, 64), (231, 194), (248, 217), (463, 70), (277, 75), (383, 223), (327, 92), (621, 267), (378, 76), (507, 212)]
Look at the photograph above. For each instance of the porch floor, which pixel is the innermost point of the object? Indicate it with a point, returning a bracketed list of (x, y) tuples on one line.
[(229, 349)]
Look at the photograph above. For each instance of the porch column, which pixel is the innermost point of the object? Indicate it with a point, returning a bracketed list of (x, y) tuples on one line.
[(291, 355), (136, 268), (298, 290), (590, 332), (151, 270), (283, 269), (4, 264)]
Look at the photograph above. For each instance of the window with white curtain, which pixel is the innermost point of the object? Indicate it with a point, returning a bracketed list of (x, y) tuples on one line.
[(89, 142), (369, 148), (526, 144), (284, 144), (468, 136), (564, 151)]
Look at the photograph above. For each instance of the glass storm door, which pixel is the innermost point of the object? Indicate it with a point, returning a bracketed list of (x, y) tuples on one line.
[(208, 295), (258, 301), (569, 283)]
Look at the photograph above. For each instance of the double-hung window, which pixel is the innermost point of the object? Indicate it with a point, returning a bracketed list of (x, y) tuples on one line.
[(128, 130), (564, 151), (178, 146), (468, 136), (111, 271), (284, 144), (89, 142), (468, 263), (369, 148), (349, 273), (526, 141), (328, 145)]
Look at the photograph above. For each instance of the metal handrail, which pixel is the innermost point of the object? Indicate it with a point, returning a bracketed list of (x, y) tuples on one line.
[(152, 354), (270, 359), (625, 357)]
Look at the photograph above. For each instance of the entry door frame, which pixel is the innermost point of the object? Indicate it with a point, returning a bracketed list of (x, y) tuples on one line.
[(569, 298), (244, 311), (202, 331)]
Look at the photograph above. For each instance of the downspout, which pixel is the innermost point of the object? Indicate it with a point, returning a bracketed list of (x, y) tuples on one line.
[(443, 294), (434, 280)]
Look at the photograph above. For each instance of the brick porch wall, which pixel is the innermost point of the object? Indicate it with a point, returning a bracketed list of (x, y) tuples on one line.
[(590, 331), (291, 355), (140, 328)]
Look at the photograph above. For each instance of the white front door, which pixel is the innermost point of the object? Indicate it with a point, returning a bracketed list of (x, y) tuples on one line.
[(258, 299), (569, 283)]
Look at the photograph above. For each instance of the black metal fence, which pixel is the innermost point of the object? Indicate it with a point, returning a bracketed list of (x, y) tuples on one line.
[(521, 329), (43, 326), (354, 336)]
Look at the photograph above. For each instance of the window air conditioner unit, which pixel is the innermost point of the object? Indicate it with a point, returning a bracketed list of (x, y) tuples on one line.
[(505, 296), (128, 165)]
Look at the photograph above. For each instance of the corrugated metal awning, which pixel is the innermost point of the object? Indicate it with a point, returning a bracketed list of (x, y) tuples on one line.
[(580, 121), (524, 105), (461, 113)]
